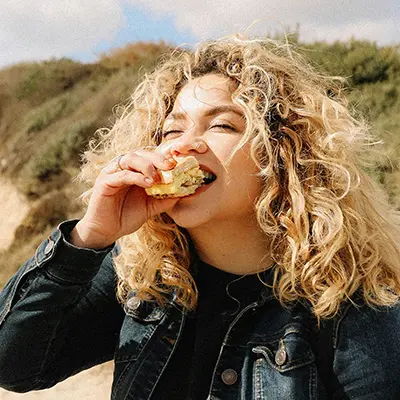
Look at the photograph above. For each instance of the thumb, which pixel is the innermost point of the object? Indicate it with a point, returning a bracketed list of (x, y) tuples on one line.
[(158, 206)]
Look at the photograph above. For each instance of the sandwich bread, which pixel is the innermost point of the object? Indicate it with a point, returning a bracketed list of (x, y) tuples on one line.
[(181, 181)]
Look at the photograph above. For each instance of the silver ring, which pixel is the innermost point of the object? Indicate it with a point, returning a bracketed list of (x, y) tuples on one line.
[(116, 161)]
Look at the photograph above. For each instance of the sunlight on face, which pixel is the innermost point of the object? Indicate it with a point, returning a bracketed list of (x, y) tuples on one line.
[(205, 114)]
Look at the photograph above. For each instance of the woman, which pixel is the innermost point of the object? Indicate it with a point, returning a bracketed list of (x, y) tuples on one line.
[(279, 279)]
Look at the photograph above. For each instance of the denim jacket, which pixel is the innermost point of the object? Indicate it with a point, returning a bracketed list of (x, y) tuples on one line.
[(59, 315)]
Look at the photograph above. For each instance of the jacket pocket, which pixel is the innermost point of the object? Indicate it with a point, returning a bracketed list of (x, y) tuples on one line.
[(284, 368)]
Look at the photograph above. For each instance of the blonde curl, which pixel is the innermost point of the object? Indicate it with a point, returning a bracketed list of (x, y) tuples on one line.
[(332, 230)]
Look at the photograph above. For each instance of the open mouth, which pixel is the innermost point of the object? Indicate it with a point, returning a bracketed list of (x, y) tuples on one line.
[(209, 177)]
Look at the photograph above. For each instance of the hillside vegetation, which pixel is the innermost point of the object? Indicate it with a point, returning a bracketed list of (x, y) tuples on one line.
[(49, 110)]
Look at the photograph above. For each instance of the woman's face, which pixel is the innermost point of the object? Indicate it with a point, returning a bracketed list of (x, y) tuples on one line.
[(206, 124)]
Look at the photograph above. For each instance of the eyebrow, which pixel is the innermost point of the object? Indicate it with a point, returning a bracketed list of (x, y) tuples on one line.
[(209, 113)]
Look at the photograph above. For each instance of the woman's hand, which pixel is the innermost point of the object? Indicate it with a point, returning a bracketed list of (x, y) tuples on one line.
[(119, 204)]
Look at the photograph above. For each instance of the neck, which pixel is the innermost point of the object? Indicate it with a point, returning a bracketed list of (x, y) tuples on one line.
[(232, 246)]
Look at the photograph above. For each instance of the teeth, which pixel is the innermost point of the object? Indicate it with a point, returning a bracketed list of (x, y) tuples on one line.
[(208, 175)]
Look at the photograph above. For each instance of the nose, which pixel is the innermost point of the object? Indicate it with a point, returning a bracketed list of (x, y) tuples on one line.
[(187, 143)]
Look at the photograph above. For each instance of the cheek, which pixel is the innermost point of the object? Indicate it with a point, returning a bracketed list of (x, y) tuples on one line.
[(243, 166), (221, 145), (242, 180), (241, 173)]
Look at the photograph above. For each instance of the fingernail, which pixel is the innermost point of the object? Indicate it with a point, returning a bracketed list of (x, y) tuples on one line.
[(171, 160), (148, 180)]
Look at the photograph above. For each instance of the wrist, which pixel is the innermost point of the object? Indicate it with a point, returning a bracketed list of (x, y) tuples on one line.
[(83, 237)]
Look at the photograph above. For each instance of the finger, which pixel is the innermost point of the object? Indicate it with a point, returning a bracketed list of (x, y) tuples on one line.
[(112, 166), (131, 162), (142, 161), (147, 163), (165, 148), (160, 161), (122, 179)]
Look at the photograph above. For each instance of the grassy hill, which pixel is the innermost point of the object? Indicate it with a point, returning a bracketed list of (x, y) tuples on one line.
[(49, 110)]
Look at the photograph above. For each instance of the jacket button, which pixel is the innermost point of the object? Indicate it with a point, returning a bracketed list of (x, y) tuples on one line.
[(133, 303), (229, 376), (49, 247), (280, 356)]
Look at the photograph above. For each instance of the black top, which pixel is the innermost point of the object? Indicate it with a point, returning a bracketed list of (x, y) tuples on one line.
[(221, 296)]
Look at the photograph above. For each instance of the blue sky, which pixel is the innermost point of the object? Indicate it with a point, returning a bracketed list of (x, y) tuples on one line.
[(83, 29), (139, 25)]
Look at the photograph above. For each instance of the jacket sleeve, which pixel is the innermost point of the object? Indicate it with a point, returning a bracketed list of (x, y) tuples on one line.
[(367, 354), (58, 314)]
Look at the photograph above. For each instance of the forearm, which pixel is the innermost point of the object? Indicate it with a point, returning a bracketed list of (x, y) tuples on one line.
[(58, 315)]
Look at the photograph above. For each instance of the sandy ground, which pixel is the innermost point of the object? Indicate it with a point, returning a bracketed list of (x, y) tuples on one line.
[(13, 209), (93, 384)]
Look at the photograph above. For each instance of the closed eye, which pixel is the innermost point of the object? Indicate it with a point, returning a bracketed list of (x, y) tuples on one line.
[(166, 133), (223, 127), (220, 127)]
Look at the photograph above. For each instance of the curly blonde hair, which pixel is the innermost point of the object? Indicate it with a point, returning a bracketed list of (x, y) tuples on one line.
[(332, 230)]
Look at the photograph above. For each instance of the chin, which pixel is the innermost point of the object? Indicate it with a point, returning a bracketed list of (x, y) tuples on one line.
[(190, 216)]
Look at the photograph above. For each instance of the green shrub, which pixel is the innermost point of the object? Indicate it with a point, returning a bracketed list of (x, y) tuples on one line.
[(375, 99), (137, 54), (360, 61), (46, 79), (46, 212), (366, 63), (47, 114), (64, 147)]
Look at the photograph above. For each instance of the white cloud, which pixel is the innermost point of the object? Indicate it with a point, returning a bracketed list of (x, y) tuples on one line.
[(31, 30), (43, 29), (383, 32), (318, 19)]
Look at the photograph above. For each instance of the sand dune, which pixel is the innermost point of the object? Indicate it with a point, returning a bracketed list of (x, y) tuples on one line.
[(93, 384), (13, 209)]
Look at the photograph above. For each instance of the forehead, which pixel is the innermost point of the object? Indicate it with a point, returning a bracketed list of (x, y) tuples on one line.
[(205, 90)]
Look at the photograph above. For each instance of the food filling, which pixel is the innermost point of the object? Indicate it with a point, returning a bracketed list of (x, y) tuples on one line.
[(183, 180)]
